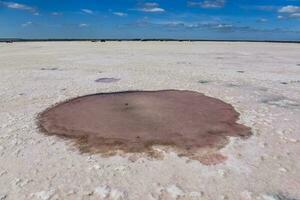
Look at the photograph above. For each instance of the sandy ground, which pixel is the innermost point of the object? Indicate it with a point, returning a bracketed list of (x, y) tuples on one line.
[(261, 80)]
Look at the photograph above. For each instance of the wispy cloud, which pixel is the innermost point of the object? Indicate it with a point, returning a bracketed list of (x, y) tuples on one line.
[(262, 20), (87, 11), (56, 13), (19, 6), (82, 25), (26, 24), (207, 3), (289, 11), (120, 14), (260, 7), (151, 7), (266, 8)]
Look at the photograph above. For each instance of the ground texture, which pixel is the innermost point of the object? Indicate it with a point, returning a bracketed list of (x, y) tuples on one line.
[(261, 81)]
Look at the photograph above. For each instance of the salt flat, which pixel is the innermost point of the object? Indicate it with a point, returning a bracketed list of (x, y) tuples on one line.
[(261, 81)]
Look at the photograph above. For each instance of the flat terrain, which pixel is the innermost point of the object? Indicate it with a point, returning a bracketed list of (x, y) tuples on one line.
[(261, 81)]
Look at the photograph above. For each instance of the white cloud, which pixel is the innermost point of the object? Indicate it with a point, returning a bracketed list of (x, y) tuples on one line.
[(152, 10), (18, 6), (207, 3), (289, 9), (295, 15), (87, 11), (221, 26), (151, 7), (82, 25), (120, 14), (289, 12), (151, 4), (27, 24), (280, 17)]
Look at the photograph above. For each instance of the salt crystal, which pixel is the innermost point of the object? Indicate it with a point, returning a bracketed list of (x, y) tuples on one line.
[(117, 195), (175, 191), (102, 191), (44, 195)]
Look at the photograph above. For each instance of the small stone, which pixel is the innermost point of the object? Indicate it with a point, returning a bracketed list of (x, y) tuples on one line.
[(283, 169), (3, 173), (17, 181), (88, 193), (152, 197), (222, 173), (196, 194), (90, 159), (3, 196), (96, 167), (25, 182), (293, 140), (262, 158), (17, 152), (120, 168), (268, 197), (263, 145)]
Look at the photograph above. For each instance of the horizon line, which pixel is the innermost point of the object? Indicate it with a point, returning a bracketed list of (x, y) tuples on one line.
[(10, 40)]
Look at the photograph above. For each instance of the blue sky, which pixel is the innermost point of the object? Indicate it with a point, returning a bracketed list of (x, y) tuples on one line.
[(179, 19)]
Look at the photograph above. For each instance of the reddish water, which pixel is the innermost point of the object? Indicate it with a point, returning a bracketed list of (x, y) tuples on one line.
[(135, 121)]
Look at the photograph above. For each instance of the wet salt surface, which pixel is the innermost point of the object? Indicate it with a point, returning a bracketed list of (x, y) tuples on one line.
[(194, 125)]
